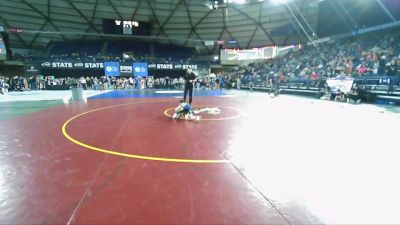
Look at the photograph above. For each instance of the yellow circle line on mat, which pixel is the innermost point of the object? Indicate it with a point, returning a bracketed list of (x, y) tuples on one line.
[(216, 119), (113, 152)]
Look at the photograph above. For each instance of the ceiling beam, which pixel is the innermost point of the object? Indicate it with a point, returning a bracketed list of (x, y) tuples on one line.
[(286, 39), (192, 28), (341, 16), (158, 22), (162, 8), (225, 28), (83, 16), (255, 30), (251, 38), (198, 23), (136, 10), (48, 8), (219, 38), (115, 10), (45, 17), (188, 13), (16, 34), (255, 21), (168, 18), (92, 17), (37, 35)]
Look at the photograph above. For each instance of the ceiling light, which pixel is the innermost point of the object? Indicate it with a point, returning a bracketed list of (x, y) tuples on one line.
[(237, 1), (280, 1)]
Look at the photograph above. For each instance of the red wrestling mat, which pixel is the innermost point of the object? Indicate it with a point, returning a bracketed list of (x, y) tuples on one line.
[(51, 180), (273, 161)]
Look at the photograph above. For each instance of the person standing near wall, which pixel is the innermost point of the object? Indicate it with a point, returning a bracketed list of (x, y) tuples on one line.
[(189, 80), (198, 81), (251, 82), (392, 70), (2, 85)]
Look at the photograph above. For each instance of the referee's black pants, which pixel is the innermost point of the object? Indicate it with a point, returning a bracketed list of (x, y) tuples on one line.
[(188, 87)]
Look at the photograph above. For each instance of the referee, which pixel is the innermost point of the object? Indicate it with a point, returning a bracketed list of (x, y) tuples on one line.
[(189, 80)]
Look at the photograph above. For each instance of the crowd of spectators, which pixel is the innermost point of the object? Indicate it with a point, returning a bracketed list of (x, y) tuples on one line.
[(209, 82), (361, 56), (4, 85), (21, 83), (355, 57), (101, 58), (33, 83)]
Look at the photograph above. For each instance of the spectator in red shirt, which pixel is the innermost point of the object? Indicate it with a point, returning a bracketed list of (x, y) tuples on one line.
[(314, 76), (363, 69)]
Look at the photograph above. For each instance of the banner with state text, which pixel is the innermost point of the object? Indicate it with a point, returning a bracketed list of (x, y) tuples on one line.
[(112, 69), (140, 69)]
